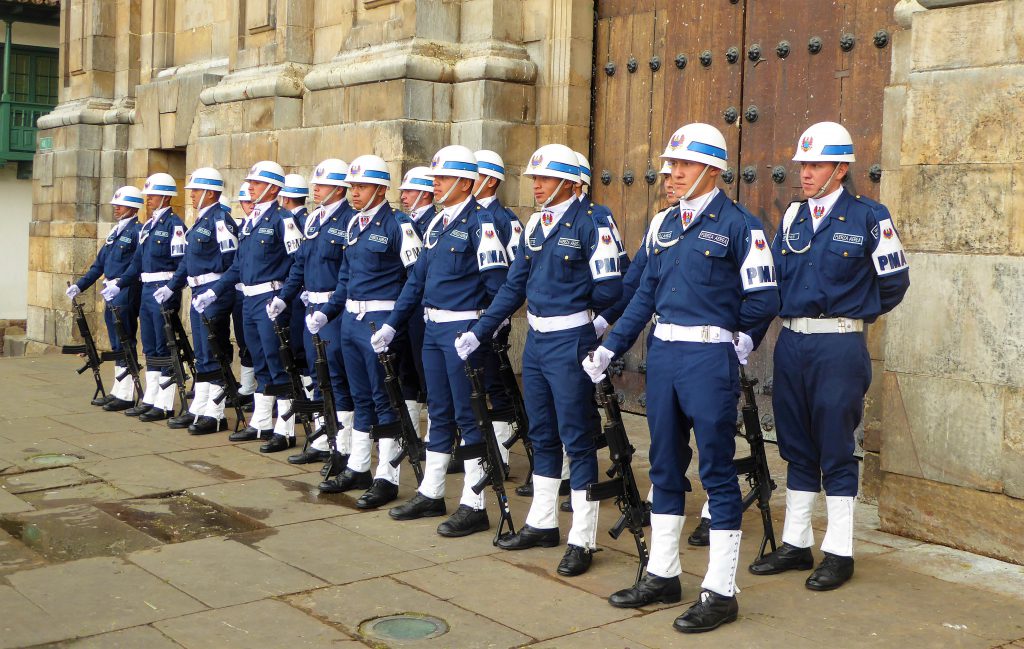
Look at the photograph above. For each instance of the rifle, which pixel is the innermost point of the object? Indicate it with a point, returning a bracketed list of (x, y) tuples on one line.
[(755, 466), (302, 406), (325, 405), (494, 473), (516, 413), (185, 351), (225, 374), (93, 357), (622, 485), (401, 429), (128, 352), (175, 360)]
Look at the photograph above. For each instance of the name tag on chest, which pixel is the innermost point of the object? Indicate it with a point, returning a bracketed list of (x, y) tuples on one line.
[(459, 234), (713, 237), (379, 238), (266, 230), (569, 243), (854, 239)]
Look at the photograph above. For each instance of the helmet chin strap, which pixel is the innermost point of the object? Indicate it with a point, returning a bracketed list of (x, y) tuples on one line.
[(544, 205), (329, 196), (696, 184), (263, 195), (441, 201), (821, 192)]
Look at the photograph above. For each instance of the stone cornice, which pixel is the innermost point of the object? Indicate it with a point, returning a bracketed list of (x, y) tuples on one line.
[(90, 110), (270, 81)]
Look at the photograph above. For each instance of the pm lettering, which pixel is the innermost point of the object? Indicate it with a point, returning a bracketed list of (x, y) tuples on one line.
[(891, 261), (757, 275), (492, 257), (605, 266)]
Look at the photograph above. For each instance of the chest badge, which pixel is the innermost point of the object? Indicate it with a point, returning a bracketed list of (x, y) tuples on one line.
[(759, 244), (687, 216), (547, 218), (819, 211)]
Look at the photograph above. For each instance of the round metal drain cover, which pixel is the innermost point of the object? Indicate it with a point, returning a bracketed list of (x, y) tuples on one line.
[(54, 459), (404, 626)]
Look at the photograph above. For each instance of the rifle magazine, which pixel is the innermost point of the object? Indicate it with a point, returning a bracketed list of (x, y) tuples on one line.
[(604, 490), (392, 430)]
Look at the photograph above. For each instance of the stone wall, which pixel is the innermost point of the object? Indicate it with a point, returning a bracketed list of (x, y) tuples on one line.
[(952, 448)]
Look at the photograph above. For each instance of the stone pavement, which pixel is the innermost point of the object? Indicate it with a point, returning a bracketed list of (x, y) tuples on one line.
[(115, 533)]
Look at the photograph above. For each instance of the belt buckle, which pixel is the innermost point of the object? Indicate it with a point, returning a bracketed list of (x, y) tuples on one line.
[(361, 308), (705, 334), (841, 324)]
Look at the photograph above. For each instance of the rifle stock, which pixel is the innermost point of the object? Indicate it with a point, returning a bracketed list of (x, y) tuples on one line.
[(231, 385), (401, 429), (323, 378), (175, 359), (93, 358), (302, 406), (490, 455), (517, 411), (755, 466), (131, 361)]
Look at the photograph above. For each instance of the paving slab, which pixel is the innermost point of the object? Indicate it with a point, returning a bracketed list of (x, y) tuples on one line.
[(15, 555), (541, 602), (267, 623), (350, 605), (46, 479), (123, 443), (591, 639), (75, 532), (147, 474), (333, 554), (99, 420), (9, 503), (227, 463), (139, 637), (181, 438), (44, 453), (102, 594), (23, 623), (221, 572), (76, 495), (959, 567), (655, 630), (277, 501)]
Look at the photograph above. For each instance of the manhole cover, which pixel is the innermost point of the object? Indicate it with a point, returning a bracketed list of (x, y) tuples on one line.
[(178, 517), (54, 459), (404, 626)]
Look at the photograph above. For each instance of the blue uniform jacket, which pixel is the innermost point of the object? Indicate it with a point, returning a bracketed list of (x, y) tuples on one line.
[(574, 268), (210, 246), (460, 268), (114, 257), (718, 272), (603, 211), (265, 251), (319, 257), (161, 248), (509, 222)]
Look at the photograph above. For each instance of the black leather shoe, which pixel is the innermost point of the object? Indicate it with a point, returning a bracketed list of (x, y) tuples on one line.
[(652, 589), (529, 537), (155, 414), (564, 489), (710, 612), (419, 507), (309, 456), (249, 434), (102, 401), (336, 467), (701, 535), (833, 572), (787, 557), (566, 506), (381, 492), (139, 410), (456, 466), (205, 425), (525, 490), (277, 443), (117, 405), (575, 561), (346, 480), (181, 421), (464, 521)]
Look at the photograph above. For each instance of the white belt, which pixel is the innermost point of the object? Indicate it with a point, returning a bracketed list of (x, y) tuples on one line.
[(319, 297), (558, 322), (443, 315), (700, 334), (368, 306), (250, 290), (239, 286), (206, 278), (156, 277), (823, 325)]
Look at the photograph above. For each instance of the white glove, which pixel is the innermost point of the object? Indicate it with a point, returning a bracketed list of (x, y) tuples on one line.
[(276, 307), (315, 322), (380, 340), (204, 299), (304, 296), (111, 290), (595, 364), (162, 294), (466, 344), (744, 345), (600, 325), (73, 291)]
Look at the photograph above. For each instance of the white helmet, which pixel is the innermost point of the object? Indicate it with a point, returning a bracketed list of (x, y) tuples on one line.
[(490, 164), (825, 142), (267, 171), (698, 143), (128, 196), (294, 187), (160, 184), (455, 161), (369, 169), (418, 179), (584, 168), (331, 171), (554, 161), (206, 178), (666, 169), (243, 193), (224, 200)]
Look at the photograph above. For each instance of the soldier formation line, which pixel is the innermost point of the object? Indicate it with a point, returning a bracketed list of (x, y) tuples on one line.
[(352, 317)]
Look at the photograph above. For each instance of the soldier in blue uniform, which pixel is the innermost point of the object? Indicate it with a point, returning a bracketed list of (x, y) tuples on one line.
[(709, 274), (293, 198), (210, 248), (112, 261), (160, 250), (381, 245), (247, 375), (265, 253), (840, 265), (314, 275), (568, 266), (462, 266)]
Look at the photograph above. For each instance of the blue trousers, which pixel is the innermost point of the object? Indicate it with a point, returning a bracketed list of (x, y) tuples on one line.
[(448, 399), (694, 386), (205, 362), (820, 383), (127, 302), (331, 335), (492, 376), (263, 342), (244, 358), (559, 403), (151, 322), (410, 359), (365, 373), (298, 335)]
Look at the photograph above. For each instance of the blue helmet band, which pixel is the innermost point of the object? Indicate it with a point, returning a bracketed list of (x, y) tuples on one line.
[(707, 149), (837, 149)]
